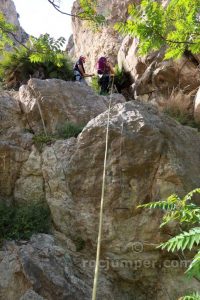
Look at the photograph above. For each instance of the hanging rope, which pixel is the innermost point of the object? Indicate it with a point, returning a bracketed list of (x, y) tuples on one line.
[(41, 115), (96, 274)]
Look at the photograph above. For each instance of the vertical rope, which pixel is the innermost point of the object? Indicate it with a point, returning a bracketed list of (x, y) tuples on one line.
[(96, 274), (40, 111)]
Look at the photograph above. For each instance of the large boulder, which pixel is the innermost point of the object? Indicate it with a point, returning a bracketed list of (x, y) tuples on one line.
[(165, 76), (56, 102), (40, 269), (150, 156)]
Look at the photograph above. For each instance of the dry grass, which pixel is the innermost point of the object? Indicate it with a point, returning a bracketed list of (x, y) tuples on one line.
[(180, 106)]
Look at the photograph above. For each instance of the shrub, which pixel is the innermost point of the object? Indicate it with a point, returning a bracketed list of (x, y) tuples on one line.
[(64, 131), (20, 222), (95, 84), (68, 130), (41, 58), (42, 139)]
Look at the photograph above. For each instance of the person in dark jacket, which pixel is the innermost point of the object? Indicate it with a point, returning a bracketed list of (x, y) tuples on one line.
[(79, 70)]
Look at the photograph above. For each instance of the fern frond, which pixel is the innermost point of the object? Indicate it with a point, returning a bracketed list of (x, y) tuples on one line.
[(177, 209), (189, 196), (164, 205), (185, 240), (194, 296), (194, 268)]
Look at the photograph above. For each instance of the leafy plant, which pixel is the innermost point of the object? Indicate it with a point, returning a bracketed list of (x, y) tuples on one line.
[(90, 14), (41, 139), (5, 29), (95, 84), (64, 131), (194, 296), (182, 211), (46, 49), (41, 58), (68, 130), (20, 222), (176, 26)]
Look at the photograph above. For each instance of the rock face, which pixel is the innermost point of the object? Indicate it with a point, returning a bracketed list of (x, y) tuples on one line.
[(150, 156), (10, 114), (104, 42), (165, 81), (166, 84), (39, 270), (57, 102), (9, 10)]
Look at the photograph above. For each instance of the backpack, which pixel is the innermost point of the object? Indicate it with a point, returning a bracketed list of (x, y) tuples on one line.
[(101, 65)]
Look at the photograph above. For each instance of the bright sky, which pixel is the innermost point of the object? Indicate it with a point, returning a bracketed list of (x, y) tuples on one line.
[(39, 17)]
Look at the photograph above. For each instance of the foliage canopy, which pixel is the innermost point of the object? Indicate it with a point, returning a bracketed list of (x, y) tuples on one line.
[(176, 26)]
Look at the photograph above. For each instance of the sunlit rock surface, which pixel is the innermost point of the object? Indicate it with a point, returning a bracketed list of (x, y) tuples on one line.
[(150, 156)]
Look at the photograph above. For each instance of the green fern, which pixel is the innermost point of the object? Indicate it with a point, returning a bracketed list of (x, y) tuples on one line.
[(183, 211), (194, 296), (177, 209), (194, 268), (185, 240), (168, 204), (189, 196)]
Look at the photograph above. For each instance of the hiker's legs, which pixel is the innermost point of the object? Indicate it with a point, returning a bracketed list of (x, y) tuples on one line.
[(104, 84), (77, 76)]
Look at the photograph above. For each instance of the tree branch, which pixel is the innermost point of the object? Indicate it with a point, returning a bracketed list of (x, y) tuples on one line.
[(14, 36), (171, 41), (52, 2)]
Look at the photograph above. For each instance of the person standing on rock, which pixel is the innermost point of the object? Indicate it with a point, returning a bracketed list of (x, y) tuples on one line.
[(105, 71), (79, 70)]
